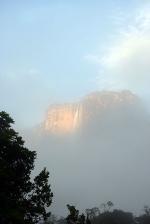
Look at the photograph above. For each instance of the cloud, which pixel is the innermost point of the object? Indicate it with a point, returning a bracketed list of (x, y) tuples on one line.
[(125, 63), (108, 156)]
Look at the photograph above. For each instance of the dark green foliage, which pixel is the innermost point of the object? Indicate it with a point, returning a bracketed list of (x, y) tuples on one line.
[(115, 217), (21, 200), (81, 219), (145, 218), (107, 216), (73, 214), (94, 216), (92, 213)]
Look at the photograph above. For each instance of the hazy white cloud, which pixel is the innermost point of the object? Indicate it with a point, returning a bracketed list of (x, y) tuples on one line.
[(125, 63)]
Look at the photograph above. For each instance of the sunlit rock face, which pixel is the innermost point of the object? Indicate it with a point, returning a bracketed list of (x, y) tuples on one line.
[(63, 118), (67, 118)]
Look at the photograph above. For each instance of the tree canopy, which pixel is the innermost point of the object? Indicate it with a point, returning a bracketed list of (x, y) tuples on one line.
[(22, 200)]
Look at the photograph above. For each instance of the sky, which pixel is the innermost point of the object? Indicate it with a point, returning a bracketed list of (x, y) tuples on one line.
[(58, 51)]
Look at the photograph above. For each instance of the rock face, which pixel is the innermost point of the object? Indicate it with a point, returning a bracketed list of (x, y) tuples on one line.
[(66, 118), (63, 118)]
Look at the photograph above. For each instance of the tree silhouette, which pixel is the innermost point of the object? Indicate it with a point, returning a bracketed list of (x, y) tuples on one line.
[(93, 212), (110, 205), (144, 218), (73, 214), (22, 201)]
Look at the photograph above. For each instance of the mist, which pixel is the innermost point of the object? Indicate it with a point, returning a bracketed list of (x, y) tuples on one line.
[(106, 159)]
